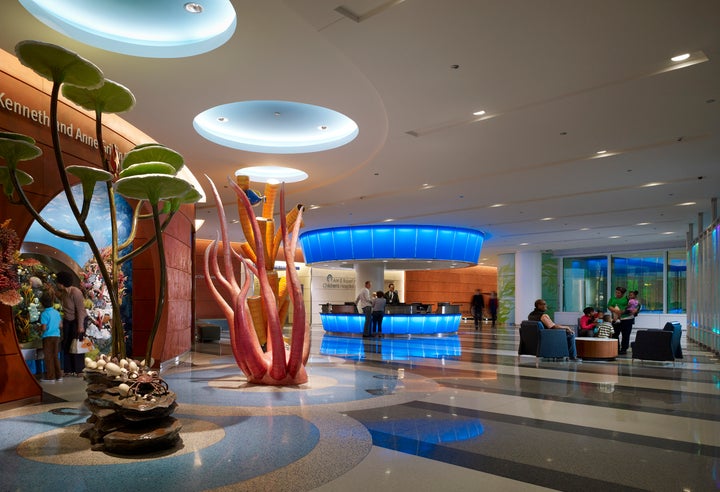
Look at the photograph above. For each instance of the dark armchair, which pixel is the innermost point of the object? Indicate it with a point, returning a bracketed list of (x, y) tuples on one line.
[(536, 340), (660, 345)]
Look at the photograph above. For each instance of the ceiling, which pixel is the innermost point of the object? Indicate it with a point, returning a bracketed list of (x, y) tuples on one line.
[(559, 80)]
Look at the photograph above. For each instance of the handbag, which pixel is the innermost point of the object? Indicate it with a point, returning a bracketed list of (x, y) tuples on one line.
[(81, 346)]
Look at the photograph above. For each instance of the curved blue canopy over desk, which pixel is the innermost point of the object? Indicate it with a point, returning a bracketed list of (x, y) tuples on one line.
[(406, 247)]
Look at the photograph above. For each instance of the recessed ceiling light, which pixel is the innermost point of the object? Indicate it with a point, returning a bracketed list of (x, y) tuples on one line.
[(322, 128), (650, 185), (479, 113), (276, 127), (194, 8), (680, 58), (158, 29), (524, 244), (548, 218), (389, 220), (222, 119), (643, 223), (601, 152), (668, 233), (585, 229), (496, 205), (685, 204), (427, 186), (614, 237), (314, 207), (272, 174)]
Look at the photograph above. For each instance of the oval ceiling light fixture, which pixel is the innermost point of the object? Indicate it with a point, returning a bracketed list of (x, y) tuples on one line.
[(275, 127), (156, 29), (272, 174)]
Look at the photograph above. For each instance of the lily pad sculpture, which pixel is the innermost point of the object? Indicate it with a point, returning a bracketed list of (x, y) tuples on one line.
[(147, 174)]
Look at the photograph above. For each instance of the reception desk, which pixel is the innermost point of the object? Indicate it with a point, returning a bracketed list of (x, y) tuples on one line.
[(403, 320)]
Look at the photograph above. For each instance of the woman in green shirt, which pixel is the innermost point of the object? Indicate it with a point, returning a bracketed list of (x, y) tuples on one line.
[(623, 327)]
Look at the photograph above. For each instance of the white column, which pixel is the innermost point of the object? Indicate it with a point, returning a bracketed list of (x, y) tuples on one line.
[(372, 271), (528, 282)]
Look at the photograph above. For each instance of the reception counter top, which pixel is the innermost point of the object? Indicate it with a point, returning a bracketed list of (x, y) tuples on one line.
[(393, 324)]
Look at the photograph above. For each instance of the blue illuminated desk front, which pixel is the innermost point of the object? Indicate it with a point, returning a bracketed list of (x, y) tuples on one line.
[(394, 324)]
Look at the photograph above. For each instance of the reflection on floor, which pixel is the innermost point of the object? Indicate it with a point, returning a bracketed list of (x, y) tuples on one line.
[(454, 413)]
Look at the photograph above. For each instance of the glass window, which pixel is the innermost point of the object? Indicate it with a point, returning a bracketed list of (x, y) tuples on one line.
[(676, 282), (642, 272), (584, 283)]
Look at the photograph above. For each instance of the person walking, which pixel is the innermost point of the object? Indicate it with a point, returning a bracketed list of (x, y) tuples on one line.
[(74, 312), (493, 307), (477, 305)]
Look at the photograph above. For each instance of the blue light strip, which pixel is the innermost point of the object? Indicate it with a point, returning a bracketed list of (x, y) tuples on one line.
[(383, 242), (394, 324), (396, 349)]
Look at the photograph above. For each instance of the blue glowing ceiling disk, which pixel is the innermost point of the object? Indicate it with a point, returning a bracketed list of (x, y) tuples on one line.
[(275, 127), (152, 29)]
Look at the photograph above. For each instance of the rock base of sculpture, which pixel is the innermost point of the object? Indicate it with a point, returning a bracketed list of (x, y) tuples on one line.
[(128, 424)]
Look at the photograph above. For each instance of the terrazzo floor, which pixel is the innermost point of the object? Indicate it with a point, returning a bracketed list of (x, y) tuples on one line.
[(460, 413)]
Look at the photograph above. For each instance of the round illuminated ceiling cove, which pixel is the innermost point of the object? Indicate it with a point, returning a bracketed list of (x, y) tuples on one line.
[(275, 127), (277, 174), (408, 247), (152, 29)]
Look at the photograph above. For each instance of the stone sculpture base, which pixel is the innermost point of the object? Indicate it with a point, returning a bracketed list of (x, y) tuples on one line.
[(128, 425)]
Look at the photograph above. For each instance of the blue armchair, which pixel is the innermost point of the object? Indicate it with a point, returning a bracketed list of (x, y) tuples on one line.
[(540, 342), (660, 345)]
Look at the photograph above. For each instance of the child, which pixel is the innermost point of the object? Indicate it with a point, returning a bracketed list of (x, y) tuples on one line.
[(632, 306), (605, 329), (50, 320)]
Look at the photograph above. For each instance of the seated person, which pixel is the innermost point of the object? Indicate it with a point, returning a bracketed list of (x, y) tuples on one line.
[(588, 322), (605, 328), (538, 314)]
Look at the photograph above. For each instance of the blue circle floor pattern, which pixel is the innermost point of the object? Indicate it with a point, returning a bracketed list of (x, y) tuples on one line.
[(233, 448)]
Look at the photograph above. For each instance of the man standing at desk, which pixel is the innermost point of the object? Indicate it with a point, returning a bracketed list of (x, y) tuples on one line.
[(391, 296), (364, 305)]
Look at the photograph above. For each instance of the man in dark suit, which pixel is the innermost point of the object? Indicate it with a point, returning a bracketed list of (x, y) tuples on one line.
[(391, 295)]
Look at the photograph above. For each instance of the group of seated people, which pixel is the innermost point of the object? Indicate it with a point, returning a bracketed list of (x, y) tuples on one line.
[(592, 324), (595, 324)]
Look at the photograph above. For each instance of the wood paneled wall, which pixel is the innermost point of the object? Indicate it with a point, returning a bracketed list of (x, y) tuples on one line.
[(456, 286)]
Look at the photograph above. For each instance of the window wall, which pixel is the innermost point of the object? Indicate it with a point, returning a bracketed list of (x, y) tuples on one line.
[(659, 277), (585, 283)]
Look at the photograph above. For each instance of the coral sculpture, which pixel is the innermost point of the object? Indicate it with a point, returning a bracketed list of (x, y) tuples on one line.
[(256, 321)]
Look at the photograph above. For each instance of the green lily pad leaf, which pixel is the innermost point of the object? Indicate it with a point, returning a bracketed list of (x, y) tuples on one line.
[(111, 97), (15, 148), (89, 176), (148, 168), (153, 153), (23, 178), (58, 64), (152, 187), (17, 136), (192, 196)]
